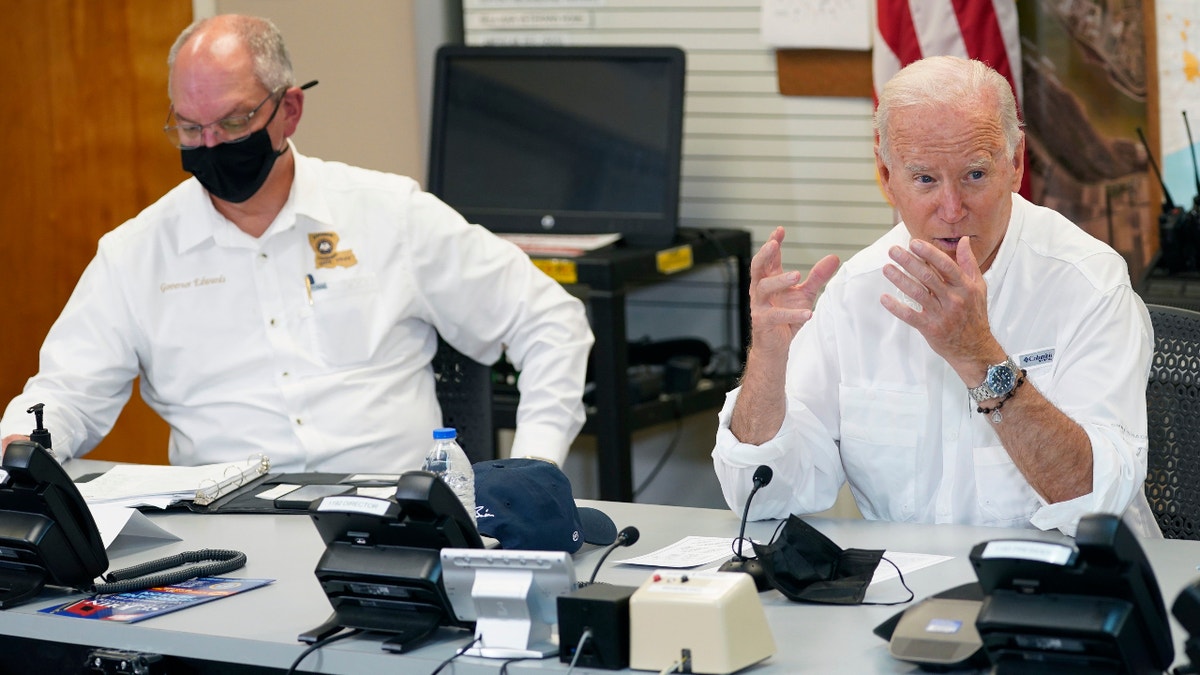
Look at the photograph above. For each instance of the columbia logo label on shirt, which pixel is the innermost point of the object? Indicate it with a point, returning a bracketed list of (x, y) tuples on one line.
[(1043, 357)]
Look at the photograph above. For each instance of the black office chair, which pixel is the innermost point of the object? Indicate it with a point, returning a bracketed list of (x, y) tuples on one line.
[(1173, 412), (464, 390)]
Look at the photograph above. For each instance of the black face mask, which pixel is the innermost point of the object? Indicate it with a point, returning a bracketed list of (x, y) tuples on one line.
[(233, 172), (806, 566)]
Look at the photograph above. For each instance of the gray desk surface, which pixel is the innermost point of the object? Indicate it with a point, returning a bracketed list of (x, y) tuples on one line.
[(260, 626)]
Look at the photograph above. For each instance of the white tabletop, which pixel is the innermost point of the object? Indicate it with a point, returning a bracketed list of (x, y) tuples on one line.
[(259, 627)]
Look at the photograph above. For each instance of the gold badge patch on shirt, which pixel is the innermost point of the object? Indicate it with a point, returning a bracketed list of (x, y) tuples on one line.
[(324, 244)]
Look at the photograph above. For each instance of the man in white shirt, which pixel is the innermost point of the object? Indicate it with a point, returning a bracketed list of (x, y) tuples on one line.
[(281, 304), (984, 362)]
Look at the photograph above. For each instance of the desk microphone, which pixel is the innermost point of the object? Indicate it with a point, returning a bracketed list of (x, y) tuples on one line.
[(593, 621), (739, 562), (626, 537)]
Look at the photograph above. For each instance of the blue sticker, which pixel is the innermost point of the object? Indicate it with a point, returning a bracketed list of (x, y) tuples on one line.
[(943, 626)]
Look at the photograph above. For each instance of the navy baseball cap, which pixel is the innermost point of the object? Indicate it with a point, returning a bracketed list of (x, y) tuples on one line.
[(526, 504)]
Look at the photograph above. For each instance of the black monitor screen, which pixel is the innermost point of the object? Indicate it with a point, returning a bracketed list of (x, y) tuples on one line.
[(567, 140)]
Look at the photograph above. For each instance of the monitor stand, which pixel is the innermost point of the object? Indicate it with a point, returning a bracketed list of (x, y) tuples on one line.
[(506, 626)]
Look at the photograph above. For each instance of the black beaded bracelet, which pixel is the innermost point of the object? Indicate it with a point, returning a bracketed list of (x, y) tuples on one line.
[(994, 411)]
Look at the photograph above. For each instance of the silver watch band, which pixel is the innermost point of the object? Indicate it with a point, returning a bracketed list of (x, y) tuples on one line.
[(984, 391)]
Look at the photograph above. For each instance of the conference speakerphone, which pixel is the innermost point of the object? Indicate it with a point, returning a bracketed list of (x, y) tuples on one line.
[(938, 632), (704, 622)]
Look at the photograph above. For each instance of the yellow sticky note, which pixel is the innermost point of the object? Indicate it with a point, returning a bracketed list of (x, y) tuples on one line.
[(558, 269), (672, 260)]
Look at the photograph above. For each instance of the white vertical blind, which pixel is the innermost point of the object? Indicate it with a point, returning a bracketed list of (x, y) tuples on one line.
[(752, 158)]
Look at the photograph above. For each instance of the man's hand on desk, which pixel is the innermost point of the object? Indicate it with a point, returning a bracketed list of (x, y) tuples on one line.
[(9, 439)]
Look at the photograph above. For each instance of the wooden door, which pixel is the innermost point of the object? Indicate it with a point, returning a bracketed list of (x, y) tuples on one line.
[(81, 150)]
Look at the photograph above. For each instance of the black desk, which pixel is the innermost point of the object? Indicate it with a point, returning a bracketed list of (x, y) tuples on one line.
[(608, 275)]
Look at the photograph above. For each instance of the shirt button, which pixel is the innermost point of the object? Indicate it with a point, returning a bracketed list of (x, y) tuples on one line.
[(272, 322), (299, 421), (262, 255), (286, 373)]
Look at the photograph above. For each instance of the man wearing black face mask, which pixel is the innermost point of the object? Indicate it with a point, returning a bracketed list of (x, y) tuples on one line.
[(285, 305), (232, 171)]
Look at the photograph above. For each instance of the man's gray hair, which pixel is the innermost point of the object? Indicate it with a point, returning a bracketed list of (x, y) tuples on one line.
[(947, 81), (272, 64)]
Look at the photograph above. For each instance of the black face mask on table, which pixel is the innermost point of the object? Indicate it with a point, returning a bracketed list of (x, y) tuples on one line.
[(806, 566), (235, 171)]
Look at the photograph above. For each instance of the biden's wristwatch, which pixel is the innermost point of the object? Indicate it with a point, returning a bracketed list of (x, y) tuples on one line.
[(1001, 378)]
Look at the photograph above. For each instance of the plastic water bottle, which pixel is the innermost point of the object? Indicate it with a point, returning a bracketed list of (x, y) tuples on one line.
[(450, 463)]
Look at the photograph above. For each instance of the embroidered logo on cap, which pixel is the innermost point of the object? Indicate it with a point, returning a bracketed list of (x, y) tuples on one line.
[(324, 244)]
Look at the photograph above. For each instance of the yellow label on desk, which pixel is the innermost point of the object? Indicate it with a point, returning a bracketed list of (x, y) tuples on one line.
[(558, 269), (674, 260)]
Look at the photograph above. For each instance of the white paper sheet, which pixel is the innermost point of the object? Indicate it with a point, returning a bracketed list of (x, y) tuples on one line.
[(818, 24), (687, 552), (907, 562), (113, 521), (156, 485), (695, 551), (569, 245)]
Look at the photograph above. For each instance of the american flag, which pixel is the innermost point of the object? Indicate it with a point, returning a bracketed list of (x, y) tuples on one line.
[(986, 30)]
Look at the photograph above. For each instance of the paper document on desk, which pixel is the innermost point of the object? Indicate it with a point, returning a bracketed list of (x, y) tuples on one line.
[(160, 486), (137, 605), (569, 245), (113, 521), (907, 562), (687, 552)]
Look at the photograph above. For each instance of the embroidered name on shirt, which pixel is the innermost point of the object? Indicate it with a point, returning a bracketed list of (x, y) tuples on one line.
[(1043, 357), (194, 283), (324, 245)]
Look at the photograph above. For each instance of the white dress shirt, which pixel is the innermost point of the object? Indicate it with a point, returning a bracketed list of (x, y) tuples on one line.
[(311, 343), (869, 403)]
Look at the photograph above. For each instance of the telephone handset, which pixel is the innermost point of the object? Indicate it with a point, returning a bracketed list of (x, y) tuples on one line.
[(47, 533), (1093, 605)]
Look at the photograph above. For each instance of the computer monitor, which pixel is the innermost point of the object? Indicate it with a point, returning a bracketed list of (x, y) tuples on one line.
[(566, 140), (1088, 607), (512, 596)]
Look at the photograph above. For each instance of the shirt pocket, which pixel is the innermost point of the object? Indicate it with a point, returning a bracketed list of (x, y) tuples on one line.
[(343, 320), (1005, 498), (880, 431)]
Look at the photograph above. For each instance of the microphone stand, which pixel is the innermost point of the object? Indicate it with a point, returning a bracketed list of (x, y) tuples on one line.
[(739, 562), (741, 540), (626, 537)]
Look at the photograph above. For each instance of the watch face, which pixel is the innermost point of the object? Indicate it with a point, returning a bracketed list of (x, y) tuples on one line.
[(1001, 379)]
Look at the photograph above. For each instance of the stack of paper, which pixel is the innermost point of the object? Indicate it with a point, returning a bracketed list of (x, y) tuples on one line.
[(161, 486), (568, 245)]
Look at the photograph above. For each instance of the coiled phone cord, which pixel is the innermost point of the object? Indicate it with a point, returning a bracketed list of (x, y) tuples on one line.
[(143, 576)]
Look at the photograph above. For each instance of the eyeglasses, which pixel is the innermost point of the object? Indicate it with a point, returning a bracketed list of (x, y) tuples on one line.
[(228, 130)]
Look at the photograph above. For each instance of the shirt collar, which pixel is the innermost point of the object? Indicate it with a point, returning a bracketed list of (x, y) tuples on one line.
[(1008, 246), (307, 198), (203, 222)]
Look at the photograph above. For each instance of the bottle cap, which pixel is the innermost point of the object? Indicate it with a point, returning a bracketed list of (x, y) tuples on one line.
[(444, 433)]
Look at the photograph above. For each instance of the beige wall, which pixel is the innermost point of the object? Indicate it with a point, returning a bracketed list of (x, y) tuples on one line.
[(372, 58)]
